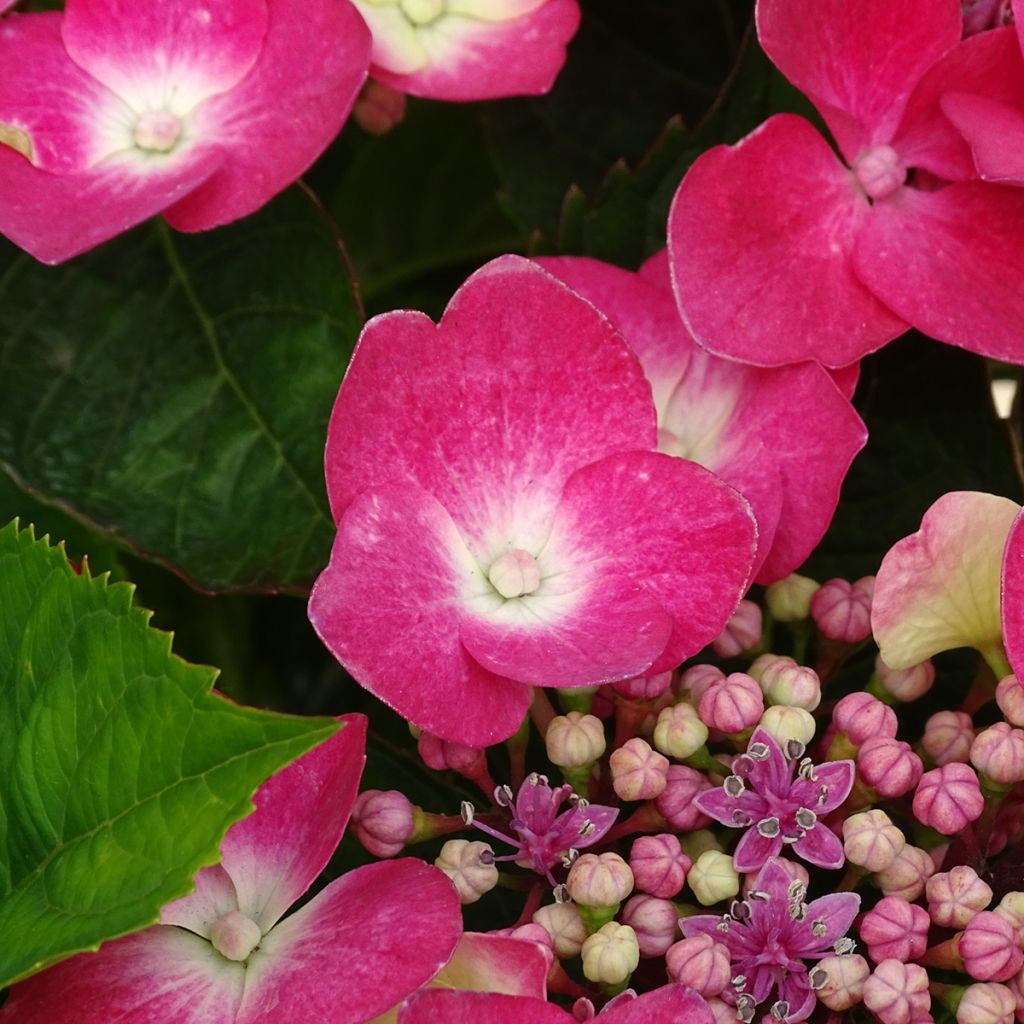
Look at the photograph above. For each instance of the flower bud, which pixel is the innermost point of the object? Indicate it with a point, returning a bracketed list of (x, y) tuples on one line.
[(988, 1002), (732, 704), (948, 736), (442, 755), (384, 821), (989, 948), (699, 841), (842, 610), (659, 865), (895, 929), (235, 936), (644, 687), (845, 975), (871, 840), (701, 964), (611, 954), (599, 880), (998, 753), (907, 874), (905, 684), (566, 928), (889, 766), (897, 993), (638, 771), (793, 685), (789, 599), (713, 878), (955, 896), (675, 804), (1010, 698), (862, 717), (1011, 910), (694, 681), (741, 633), (575, 740), (764, 663), (679, 732), (948, 799), (655, 921), (379, 108), (786, 723), (470, 866)]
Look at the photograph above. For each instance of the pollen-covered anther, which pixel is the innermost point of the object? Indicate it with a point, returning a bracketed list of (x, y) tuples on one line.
[(235, 936), (818, 979), (157, 131), (780, 1010), (758, 751)]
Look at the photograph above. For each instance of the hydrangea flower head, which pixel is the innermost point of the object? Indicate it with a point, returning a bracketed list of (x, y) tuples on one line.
[(770, 935), (503, 518), (200, 109), (779, 797)]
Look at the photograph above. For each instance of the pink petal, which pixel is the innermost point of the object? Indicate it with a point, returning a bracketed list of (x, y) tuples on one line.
[(161, 974), (949, 262), (521, 384), (275, 854), (820, 846), (401, 546), (436, 1007), (858, 63), (496, 963), (670, 1004), (1012, 598), (760, 236), (470, 59), (995, 131), (174, 51), (362, 945), (279, 118), (754, 849), (837, 910), (214, 896), (845, 378)]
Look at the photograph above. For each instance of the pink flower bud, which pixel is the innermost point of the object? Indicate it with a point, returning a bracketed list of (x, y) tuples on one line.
[(441, 755), (897, 993), (379, 108), (763, 664), (949, 798), (638, 771), (470, 866), (905, 684), (1010, 698), (565, 928), (895, 929), (785, 724), (842, 610), (989, 948), (889, 766), (574, 740), (955, 896), (599, 880), (659, 865), (644, 687), (700, 963), (871, 840), (235, 936), (675, 804), (694, 681), (998, 752), (732, 704), (791, 685), (679, 732), (948, 736), (907, 875), (789, 599), (741, 633), (383, 821), (843, 986), (986, 1003), (863, 717), (655, 921)]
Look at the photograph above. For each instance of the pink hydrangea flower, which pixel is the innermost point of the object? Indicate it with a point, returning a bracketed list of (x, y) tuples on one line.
[(496, 491), (770, 935), (199, 109), (779, 798), (469, 49), (781, 251), (225, 955), (736, 420)]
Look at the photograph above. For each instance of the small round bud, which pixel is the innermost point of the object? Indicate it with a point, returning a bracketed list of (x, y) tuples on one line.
[(699, 841), (379, 108), (470, 866), (793, 686), (843, 986), (701, 964), (789, 599), (871, 840), (948, 799), (611, 954), (905, 684), (713, 878), (1010, 698), (659, 865), (644, 687), (655, 921), (675, 804), (741, 633), (575, 740), (989, 948), (384, 821), (679, 732), (948, 736), (599, 880), (732, 704), (514, 574), (907, 874), (895, 929), (889, 766), (897, 993), (785, 723), (998, 753), (955, 896), (638, 771), (842, 610), (694, 681), (763, 665), (988, 1002), (1011, 910), (235, 936), (862, 717), (442, 755), (564, 925)]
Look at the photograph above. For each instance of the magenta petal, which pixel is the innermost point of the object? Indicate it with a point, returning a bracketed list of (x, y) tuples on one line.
[(1012, 597), (160, 974), (838, 777), (760, 236), (483, 962), (837, 911), (275, 854), (950, 261), (995, 131), (401, 546), (437, 1007), (821, 846), (279, 118), (670, 1004), (859, 64), (754, 849), (363, 944)]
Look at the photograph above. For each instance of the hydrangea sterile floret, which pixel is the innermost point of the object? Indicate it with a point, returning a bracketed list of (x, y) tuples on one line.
[(779, 797), (496, 490), (770, 935), (200, 109), (225, 955)]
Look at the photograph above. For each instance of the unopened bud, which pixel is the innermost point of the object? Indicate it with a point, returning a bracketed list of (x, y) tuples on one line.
[(894, 928), (659, 865), (786, 723), (679, 732), (638, 771), (235, 936), (384, 821), (470, 866), (611, 954), (741, 633), (379, 108), (842, 610), (563, 923), (792, 685), (1010, 698), (842, 984), (897, 993), (889, 766), (955, 896), (789, 599), (713, 878), (948, 736), (732, 705), (599, 881), (871, 840), (987, 1002), (700, 963), (655, 921), (575, 740), (907, 874), (905, 684), (998, 753)]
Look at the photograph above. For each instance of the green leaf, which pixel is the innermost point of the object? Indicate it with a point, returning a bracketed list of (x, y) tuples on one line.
[(119, 771), (175, 389)]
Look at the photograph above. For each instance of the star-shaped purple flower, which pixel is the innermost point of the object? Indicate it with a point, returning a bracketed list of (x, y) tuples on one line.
[(778, 797), (770, 935)]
